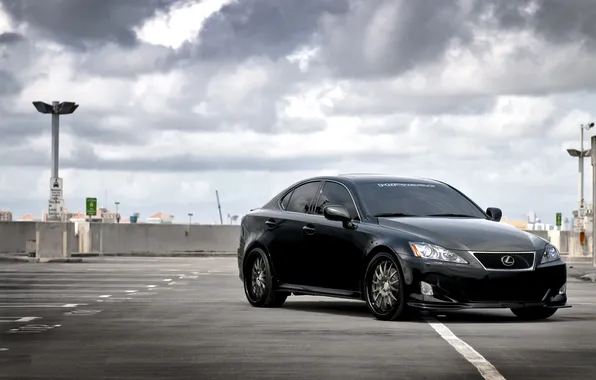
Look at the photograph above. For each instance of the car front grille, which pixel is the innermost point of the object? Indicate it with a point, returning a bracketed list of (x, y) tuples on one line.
[(498, 261)]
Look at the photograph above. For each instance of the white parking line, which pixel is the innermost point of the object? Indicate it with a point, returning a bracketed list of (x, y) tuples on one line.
[(167, 280), (486, 369), (17, 319), (105, 296), (130, 291), (40, 305), (3, 349)]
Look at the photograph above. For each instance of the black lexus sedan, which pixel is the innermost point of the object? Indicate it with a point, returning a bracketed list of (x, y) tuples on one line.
[(399, 244)]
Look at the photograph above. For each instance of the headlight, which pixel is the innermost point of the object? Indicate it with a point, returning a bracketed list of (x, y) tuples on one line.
[(551, 253), (435, 252)]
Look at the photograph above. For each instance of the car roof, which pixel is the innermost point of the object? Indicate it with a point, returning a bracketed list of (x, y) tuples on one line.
[(357, 178)]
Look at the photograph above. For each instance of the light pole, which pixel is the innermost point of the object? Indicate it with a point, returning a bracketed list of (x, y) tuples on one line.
[(581, 154), (56, 196), (117, 214), (593, 151), (190, 214)]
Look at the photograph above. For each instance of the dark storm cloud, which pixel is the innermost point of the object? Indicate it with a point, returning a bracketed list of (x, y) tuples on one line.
[(15, 130), (381, 102), (559, 21), (271, 28), (388, 37), (8, 83), (9, 38), (83, 157), (118, 61), (84, 23), (93, 132)]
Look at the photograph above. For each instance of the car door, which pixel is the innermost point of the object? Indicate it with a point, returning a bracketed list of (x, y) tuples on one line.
[(335, 251), (286, 240)]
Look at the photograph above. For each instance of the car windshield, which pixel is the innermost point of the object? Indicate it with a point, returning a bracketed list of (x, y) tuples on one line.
[(415, 199)]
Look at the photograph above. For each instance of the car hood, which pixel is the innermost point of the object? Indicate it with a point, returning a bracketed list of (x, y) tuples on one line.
[(465, 233)]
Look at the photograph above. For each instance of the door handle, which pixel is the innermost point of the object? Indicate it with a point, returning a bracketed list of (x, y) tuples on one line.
[(308, 229), (270, 223)]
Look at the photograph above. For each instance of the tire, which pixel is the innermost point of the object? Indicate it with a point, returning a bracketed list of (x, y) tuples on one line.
[(398, 310), (258, 268), (533, 313)]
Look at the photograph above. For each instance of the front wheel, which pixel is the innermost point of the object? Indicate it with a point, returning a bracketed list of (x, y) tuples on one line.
[(533, 313), (259, 283), (384, 288)]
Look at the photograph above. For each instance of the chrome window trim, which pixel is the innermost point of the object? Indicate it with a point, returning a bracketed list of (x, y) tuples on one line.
[(533, 267), (317, 197)]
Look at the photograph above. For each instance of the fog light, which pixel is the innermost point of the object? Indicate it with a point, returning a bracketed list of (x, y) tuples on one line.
[(563, 289), (426, 288)]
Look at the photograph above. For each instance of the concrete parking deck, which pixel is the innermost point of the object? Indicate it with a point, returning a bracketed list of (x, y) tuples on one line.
[(186, 318)]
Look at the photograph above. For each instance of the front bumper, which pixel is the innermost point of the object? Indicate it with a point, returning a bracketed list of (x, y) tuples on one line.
[(456, 286)]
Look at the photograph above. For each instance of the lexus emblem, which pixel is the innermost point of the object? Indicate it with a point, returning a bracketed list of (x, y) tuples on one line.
[(508, 260)]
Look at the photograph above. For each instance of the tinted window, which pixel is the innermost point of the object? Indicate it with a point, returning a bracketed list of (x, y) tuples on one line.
[(414, 198), (285, 200), (302, 196), (335, 194)]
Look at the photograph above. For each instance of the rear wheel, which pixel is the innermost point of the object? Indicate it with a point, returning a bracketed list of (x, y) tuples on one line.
[(384, 288), (533, 313), (259, 283)]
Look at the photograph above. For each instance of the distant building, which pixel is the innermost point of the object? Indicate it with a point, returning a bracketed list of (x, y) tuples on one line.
[(160, 218), (28, 218), (5, 216)]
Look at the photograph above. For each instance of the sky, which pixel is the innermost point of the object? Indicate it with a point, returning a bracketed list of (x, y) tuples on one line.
[(179, 99)]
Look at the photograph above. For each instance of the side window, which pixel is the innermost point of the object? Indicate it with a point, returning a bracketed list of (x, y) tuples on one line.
[(302, 196), (285, 200), (335, 194)]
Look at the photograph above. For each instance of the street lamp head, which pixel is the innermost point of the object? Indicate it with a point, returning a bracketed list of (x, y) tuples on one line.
[(573, 152), (42, 107), (64, 108)]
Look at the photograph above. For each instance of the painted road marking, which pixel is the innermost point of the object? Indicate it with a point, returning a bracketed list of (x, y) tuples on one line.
[(105, 296), (17, 319), (486, 369), (151, 286), (32, 329), (40, 305), (3, 349), (131, 291), (82, 312), (167, 280)]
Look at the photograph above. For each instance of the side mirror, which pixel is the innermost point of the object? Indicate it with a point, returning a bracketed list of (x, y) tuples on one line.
[(338, 213), (495, 213)]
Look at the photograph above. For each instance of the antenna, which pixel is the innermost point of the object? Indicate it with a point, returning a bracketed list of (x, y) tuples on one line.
[(219, 207)]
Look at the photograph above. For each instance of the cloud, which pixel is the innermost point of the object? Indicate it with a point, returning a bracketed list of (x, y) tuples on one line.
[(83, 24), (179, 99), (8, 38)]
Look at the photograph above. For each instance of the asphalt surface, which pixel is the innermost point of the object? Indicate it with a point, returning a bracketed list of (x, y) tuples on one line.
[(187, 318)]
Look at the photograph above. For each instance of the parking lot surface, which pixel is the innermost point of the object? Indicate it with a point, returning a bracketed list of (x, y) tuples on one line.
[(187, 318)]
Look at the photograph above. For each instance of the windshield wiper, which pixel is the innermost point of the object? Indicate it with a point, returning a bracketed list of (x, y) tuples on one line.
[(455, 215), (393, 214)]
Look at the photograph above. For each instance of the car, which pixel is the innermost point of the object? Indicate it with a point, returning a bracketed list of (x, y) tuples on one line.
[(399, 244)]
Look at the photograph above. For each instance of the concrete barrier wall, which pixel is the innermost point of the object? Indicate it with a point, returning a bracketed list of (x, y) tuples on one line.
[(171, 238), (14, 236), (158, 238), (55, 240)]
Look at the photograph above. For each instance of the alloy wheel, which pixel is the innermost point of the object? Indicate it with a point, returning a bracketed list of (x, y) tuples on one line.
[(384, 287), (258, 277)]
